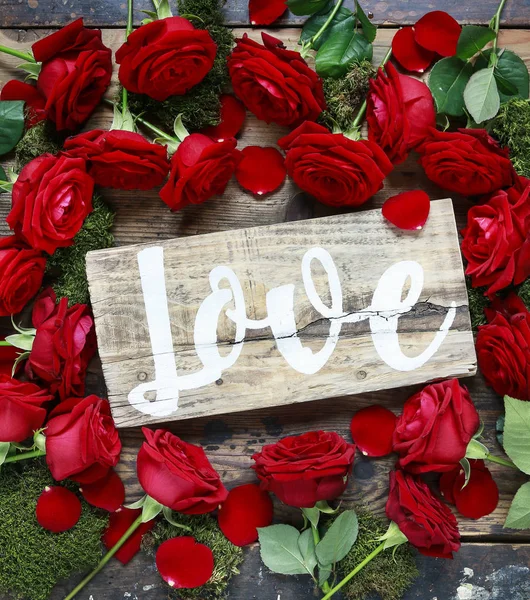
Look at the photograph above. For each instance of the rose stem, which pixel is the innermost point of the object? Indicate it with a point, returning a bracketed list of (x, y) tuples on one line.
[(18, 54), (24, 456), (362, 110), (128, 30), (4, 343), (497, 24), (352, 574), (501, 461), (106, 558), (328, 21), (316, 539)]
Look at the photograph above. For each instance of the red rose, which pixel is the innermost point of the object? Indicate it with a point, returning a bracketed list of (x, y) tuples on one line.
[(503, 348), (8, 356), (165, 58), (331, 167), (35, 101), (496, 240), (302, 470), (51, 199), (273, 83), (200, 169), (435, 428), (21, 273), (428, 524), (120, 159), (82, 442), (75, 73), (178, 474), (21, 411), (63, 346), (467, 161), (400, 112)]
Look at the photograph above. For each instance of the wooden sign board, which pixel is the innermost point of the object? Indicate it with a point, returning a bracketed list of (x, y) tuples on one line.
[(274, 315)]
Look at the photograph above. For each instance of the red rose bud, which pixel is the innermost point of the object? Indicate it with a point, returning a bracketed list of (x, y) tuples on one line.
[(64, 344), (274, 83), (178, 474), (107, 493), (166, 57), (439, 32), (21, 409), (372, 429), (334, 169), (409, 54), (467, 161), (408, 210), (183, 563), (435, 428), (21, 273), (400, 112), (496, 243), (265, 12), (58, 509), (75, 73), (302, 470), (82, 442), (51, 199), (246, 508), (232, 116), (261, 170), (503, 348), (120, 159), (427, 523), (119, 523), (35, 101), (200, 169)]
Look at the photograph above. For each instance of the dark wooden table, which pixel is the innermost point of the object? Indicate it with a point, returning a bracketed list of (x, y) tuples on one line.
[(493, 564)]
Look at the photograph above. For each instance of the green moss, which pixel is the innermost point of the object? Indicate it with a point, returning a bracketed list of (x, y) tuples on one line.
[(477, 303), (33, 560), (344, 96), (205, 530), (524, 292), (388, 575), (200, 106), (512, 128), (36, 141), (67, 265)]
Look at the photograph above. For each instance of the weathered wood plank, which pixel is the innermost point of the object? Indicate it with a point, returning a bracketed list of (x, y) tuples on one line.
[(105, 13)]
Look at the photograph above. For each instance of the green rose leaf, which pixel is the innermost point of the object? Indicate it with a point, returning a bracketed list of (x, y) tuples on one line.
[(306, 7), (339, 52), (517, 432), (472, 39), (280, 551), (482, 96), (511, 68), (505, 87), (519, 513), (344, 20), (306, 545), (339, 538), (447, 82), (324, 573), (11, 124), (369, 29)]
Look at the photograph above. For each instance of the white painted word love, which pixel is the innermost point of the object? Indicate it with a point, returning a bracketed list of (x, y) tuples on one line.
[(383, 315)]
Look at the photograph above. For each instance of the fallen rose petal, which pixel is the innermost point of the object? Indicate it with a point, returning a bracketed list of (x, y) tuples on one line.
[(372, 429), (439, 32), (261, 170), (408, 210), (246, 508), (183, 563), (232, 116), (107, 493), (479, 497), (58, 509), (409, 54), (119, 522), (265, 12)]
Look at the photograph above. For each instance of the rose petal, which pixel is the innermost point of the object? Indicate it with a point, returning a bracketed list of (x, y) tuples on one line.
[(408, 210), (246, 508), (261, 170), (232, 118), (408, 53), (479, 497), (265, 12), (107, 493), (58, 509), (191, 148), (119, 522), (439, 32), (183, 563), (372, 429), (447, 483)]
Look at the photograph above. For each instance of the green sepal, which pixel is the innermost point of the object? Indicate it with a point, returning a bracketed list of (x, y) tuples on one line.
[(180, 131), (394, 537), (465, 464), (168, 515), (324, 507), (312, 515), (39, 440), (136, 505), (163, 11), (123, 121), (4, 451), (32, 68), (476, 450), (22, 356), (6, 186), (150, 509), (22, 341)]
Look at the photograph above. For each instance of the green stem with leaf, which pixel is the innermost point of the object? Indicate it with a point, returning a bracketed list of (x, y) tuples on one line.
[(147, 124), (497, 24), (128, 31), (316, 539), (18, 54), (501, 461), (335, 10), (24, 456)]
